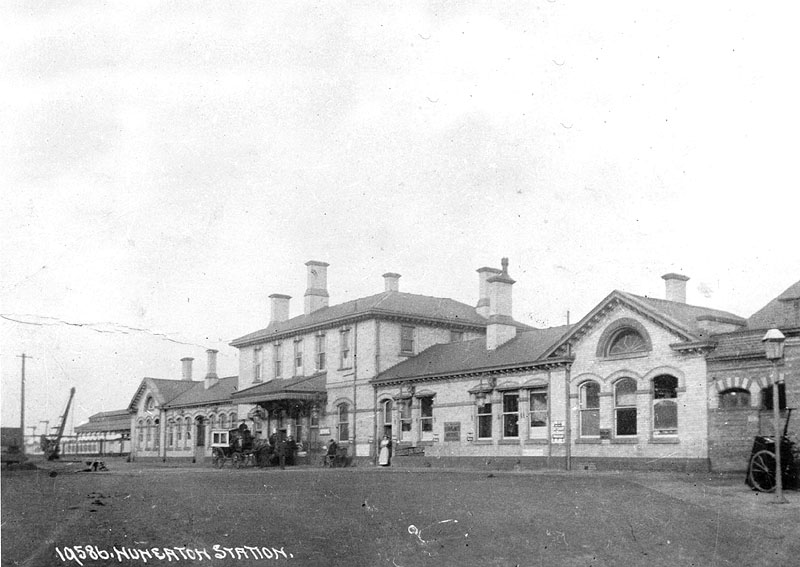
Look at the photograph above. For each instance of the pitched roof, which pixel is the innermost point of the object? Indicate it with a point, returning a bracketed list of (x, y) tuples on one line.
[(741, 344), (302, 387), (473, 356), (782, 312), (118, 420), (688, 315), (199, 395), (385, 304), (164, 390)]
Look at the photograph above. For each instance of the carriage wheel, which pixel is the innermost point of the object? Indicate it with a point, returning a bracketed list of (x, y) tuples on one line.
[(762, 471), (217, 460)]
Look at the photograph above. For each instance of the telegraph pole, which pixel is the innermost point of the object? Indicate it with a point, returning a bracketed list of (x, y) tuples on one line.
[(23, 356)]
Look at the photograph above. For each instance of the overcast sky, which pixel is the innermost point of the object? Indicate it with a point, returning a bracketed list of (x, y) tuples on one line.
[(166, 167)]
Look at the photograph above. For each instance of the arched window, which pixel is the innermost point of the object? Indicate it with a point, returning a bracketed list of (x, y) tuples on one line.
[(626, 341), (665, 406), (589, 395), (188, 427), (150, 403), (343, 422), (170, 433), (625, 407), (140, 434), (734, 398), (234, 418), (148, 434), (223, 421)]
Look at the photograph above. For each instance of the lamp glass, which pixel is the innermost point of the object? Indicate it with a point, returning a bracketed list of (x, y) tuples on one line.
[(773, 344)]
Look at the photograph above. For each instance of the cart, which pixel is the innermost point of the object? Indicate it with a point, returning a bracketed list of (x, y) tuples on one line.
[(761, 469)]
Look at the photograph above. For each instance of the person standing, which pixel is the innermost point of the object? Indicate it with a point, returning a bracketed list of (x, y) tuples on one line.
[(280, 450), (384, 455), (291, 450)]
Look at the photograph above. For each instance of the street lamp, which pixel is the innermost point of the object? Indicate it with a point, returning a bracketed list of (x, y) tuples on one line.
[(773, 343)]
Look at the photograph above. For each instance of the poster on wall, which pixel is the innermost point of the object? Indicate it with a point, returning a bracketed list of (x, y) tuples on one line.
[(558, 432), (452, 431)]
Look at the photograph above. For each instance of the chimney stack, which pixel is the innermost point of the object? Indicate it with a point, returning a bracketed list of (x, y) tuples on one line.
[(316, 296), (676, 287), (279, 307), (483, 289), (211, 375), (501, 328), (187, 368), (391, 281)]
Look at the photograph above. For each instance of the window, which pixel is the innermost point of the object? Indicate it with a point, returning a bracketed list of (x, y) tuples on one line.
[(320, 353), (344, 349), (766, 397), (456, 336), (178, 432), (407, 339), (590, 409), (405, 416), (625, 407), (148, 439), (665, 406), (298, 357), (426, 417), (538, 413), (626, 341), (735, 398), (219, 438), (150, 404), (343, 424), (386, 415), (257, 364), (277, 359), (188, 436), (170, 434), (140, 432), (511, 414), (223, 421), (485, 421)]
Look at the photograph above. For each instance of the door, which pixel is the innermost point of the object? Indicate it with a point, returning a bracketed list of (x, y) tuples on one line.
[(200, 439)]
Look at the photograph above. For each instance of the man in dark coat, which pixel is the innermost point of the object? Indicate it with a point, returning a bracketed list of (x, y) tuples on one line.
[(291, 450), (280, 450)]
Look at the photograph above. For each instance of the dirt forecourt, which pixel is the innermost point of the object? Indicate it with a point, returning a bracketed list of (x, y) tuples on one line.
[(136, 514)]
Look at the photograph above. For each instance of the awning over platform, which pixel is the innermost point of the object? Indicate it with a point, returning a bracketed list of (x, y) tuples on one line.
[(303, 388)]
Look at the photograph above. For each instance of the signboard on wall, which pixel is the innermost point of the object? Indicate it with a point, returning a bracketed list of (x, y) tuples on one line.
[(452, 431), (558, 432)]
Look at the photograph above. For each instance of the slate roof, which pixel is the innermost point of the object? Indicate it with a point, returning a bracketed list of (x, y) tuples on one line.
[(385, 304), (197, 394), (688, 315), (472, 356), (118, 420), (742, 344), (170, 389), (782, 312), (302, 387)]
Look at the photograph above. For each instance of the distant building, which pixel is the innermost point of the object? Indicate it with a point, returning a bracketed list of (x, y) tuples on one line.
[(106, 433)]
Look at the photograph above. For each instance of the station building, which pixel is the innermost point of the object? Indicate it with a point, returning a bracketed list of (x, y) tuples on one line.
[(638, 383)]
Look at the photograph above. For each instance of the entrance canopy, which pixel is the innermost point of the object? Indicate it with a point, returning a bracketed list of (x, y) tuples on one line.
[(303, 388)]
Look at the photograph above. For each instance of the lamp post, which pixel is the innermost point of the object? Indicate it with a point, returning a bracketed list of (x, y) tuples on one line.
[(773, 343)]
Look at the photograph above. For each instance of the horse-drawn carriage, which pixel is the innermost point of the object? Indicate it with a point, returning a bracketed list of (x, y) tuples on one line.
[(235, 445)]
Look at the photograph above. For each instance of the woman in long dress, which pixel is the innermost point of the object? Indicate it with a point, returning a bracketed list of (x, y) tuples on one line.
[(383, 456)]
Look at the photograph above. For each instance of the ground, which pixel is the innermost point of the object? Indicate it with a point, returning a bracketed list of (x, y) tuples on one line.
[(393, 517)]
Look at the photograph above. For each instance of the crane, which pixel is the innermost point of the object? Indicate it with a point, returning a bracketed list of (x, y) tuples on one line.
[(50, 445)]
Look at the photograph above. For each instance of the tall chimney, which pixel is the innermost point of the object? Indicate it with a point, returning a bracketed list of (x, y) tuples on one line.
[(279, 307), (187, 368), (211, 375), (483, 289), (391, 281), (676, 287), (501, 328), (316, 296)]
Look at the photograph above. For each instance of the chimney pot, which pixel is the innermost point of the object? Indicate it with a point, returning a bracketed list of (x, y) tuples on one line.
[(316, 296), (279, 307), (391, 281), (501, 328), (211, 375), (187, 368), (675, 287), (483, 289)]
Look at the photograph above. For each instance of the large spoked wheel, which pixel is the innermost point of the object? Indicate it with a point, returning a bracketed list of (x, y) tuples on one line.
[(762, 471), (218, 460)]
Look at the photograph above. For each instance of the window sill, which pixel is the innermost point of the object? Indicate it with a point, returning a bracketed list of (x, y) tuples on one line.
[(665, 440), (536, 442), (509, 441), (403, 353), (626, 356), (587, 441), (345, 368), (483, 442), (624, 440)]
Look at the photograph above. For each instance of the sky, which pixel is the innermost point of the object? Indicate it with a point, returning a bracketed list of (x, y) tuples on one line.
[(165, 167)]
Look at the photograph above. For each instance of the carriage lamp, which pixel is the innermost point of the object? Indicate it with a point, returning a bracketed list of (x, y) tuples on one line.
[(773, 343)]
